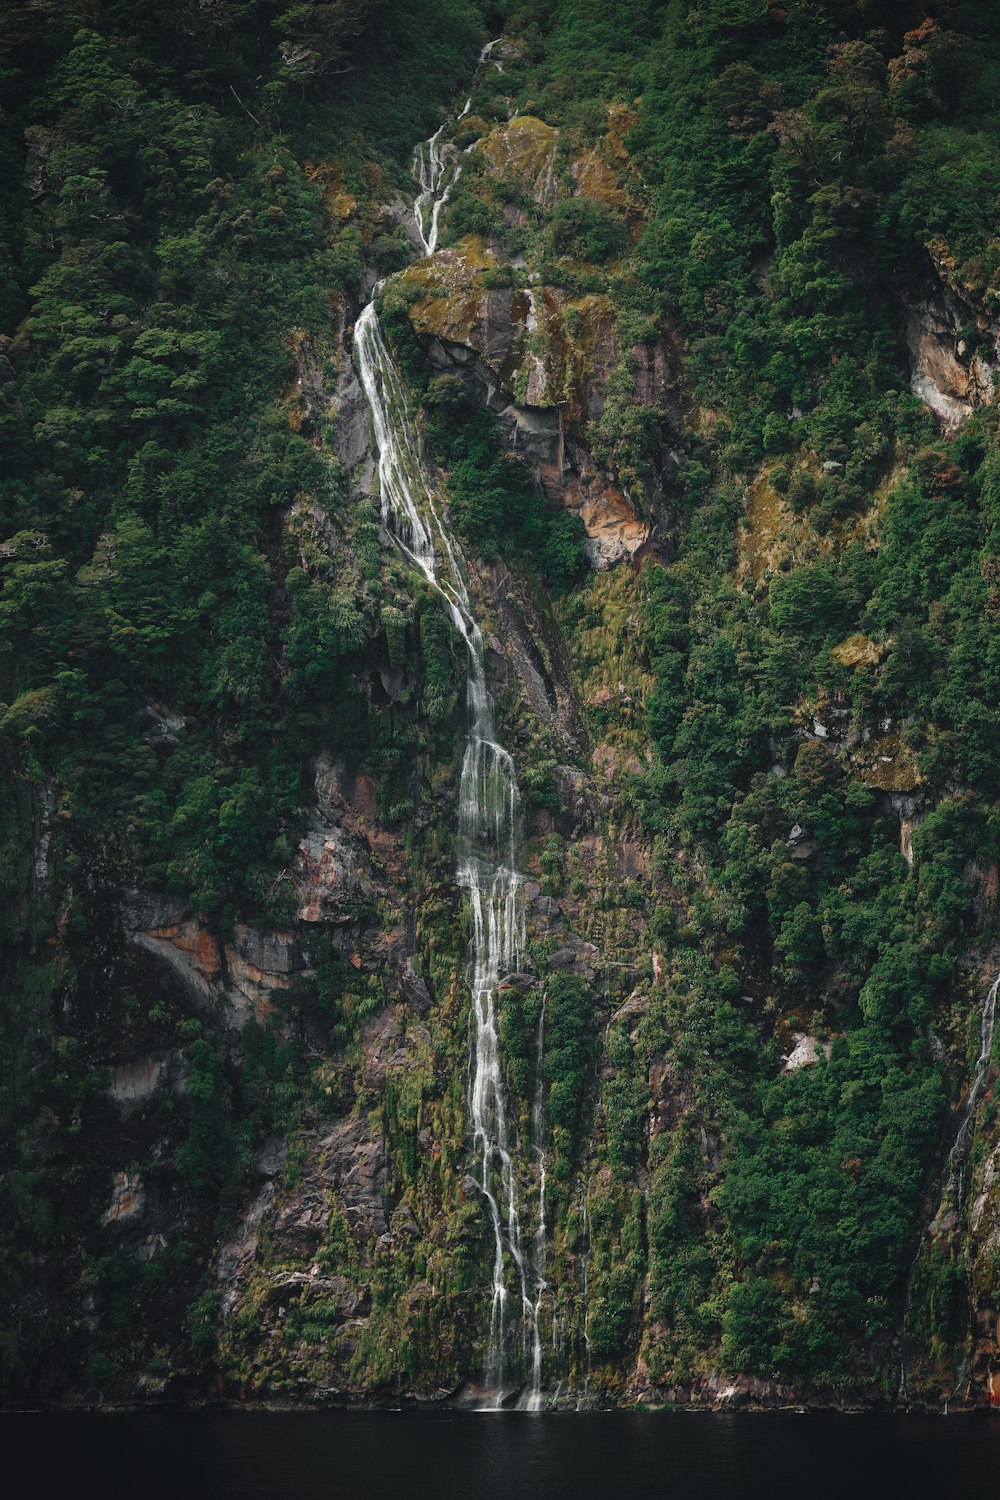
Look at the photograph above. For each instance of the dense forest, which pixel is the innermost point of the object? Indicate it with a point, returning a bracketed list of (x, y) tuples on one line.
[(704, 367)]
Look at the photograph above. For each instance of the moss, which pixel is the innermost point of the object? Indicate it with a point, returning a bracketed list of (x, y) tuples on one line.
[(520, 154), (859, 651)]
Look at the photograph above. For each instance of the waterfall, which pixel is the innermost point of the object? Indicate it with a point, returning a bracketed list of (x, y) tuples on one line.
[(956, 1156), (437, 172), (585, 1256), (487, 803), (952, 1179), (534, 1402)]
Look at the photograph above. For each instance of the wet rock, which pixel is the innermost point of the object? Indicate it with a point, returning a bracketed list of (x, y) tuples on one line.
[(520, 982)]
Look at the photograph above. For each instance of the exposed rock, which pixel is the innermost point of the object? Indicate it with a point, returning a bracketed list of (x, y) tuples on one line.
[(166, 726), (230, 983), (520, 982), (576, 954), (542, 360), (128, 1199), (46, 813), (236, 1255), (949, 379), (909, 810), (415, 990), (139, 1079), (522, 153), (805, 1052), (330, 875), (271, 1158)]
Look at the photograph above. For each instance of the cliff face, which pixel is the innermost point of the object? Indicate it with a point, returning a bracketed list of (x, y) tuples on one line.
[(737, 591)]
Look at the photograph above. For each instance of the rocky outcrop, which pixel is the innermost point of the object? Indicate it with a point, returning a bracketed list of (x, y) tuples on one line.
[(228, 982), (542, 360), (522, 154), (949, 376)]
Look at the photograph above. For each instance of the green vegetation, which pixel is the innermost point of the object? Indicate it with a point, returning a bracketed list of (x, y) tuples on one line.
[(789, 836), (798, 164)]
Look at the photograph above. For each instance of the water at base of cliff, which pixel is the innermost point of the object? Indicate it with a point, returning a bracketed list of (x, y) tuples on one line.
[(253, 1455)]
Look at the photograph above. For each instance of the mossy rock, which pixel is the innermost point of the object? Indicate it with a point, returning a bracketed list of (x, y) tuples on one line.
[(522, 153)]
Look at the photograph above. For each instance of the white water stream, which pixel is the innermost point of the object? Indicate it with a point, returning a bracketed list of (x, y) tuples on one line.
[(952, 1181), (487, 811), (953, 1173)]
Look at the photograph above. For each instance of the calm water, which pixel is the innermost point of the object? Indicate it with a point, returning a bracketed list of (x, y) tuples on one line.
[(362, 1456)]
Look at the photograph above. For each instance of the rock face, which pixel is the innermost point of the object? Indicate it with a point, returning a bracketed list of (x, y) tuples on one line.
[(946, 374), (542, 360), (229, 982), (805, 1052), (522, 153)]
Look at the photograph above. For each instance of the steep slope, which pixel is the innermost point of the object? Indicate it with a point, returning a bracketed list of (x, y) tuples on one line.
[(694, 326)]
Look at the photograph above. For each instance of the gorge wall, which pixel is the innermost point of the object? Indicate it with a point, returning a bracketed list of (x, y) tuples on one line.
[(700, 372)]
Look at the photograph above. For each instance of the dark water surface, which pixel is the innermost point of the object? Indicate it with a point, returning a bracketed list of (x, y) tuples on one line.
[(420, 1456)]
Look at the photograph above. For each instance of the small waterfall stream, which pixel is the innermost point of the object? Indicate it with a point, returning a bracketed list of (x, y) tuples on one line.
[(487, 811), (953, 1174), (952, 1181)]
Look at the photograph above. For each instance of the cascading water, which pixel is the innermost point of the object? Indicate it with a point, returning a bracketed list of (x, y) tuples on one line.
[(956, 1156), (953, 1177), (586, 1290), (488, 800), (538, 1139), (437, 172)]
